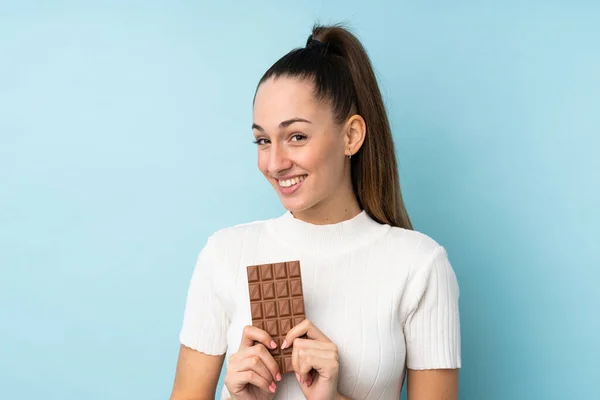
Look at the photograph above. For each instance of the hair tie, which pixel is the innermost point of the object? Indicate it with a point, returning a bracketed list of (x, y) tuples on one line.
[(312, 43)]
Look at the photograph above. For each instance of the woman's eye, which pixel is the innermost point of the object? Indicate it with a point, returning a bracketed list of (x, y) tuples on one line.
[(298, 137), (260, 142)]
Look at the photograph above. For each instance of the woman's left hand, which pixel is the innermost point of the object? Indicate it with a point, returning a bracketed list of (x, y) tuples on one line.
[(315, 360)]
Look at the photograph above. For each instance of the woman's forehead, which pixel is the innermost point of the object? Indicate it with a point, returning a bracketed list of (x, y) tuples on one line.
[(282, 98)]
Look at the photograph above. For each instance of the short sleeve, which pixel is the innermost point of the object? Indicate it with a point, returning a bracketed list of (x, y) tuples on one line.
[(205, 321), (432, 322)]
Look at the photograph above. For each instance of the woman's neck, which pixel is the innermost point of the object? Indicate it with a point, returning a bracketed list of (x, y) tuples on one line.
[(307, 238), (329, 213)]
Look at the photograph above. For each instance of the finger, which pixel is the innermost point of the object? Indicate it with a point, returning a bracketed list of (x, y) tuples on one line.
[(322, 365), (252, 334), (307, 328), (299, 364), (312, 355), (253, 378), (324, 362), (236, 381), (260, 351), (256, 364), (314, 344)]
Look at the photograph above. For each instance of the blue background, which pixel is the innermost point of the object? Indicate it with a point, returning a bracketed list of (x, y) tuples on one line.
[(125, 141)]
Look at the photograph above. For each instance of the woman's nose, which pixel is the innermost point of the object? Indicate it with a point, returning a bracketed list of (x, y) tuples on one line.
[(278, 160)]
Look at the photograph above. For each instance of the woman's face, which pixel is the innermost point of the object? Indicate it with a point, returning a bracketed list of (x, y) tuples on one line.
[(300, 147)]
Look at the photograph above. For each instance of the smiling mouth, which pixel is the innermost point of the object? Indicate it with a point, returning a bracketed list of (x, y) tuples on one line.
[(291, 182)]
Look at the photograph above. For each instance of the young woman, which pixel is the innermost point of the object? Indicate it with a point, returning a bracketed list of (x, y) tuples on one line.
[(381, 299)]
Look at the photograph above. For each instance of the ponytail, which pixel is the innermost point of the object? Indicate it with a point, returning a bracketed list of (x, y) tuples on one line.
[(337, 63)]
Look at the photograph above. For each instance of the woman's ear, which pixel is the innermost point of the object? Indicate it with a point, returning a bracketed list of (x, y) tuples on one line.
[(355, 132)]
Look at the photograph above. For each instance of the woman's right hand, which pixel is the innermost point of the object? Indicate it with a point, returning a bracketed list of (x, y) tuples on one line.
[(252, 371)]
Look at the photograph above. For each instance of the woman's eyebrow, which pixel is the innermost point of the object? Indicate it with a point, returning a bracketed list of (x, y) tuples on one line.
[(283, 124)]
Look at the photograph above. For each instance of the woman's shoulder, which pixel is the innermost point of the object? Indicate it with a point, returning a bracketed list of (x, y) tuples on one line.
[(414, 244), (237, 232)]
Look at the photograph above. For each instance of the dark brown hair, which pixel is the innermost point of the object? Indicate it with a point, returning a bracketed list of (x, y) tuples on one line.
[(343, 76)]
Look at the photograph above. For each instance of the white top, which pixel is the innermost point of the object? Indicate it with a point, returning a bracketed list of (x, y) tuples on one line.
[(386, 296)]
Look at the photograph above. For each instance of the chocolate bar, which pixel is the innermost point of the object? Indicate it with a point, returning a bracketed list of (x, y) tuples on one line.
[(277, 304)]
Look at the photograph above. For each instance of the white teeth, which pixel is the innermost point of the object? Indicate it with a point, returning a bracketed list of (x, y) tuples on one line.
[(291, 182)]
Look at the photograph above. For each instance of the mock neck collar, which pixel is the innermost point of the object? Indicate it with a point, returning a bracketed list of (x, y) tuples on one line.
[(311, 238)]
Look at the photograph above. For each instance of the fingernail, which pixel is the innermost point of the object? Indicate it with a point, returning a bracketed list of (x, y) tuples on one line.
[(272, 387), (273, 344), (278, 377), (284, 344), (298, 377)]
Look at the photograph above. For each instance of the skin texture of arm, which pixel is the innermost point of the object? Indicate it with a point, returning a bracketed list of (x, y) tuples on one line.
[(197, 375), (435, 384)]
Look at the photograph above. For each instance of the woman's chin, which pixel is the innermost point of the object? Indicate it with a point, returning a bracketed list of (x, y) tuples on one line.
[(295, 206)]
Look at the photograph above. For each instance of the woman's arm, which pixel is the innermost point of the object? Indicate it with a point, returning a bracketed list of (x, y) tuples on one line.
[(433, 384), (197, 375)]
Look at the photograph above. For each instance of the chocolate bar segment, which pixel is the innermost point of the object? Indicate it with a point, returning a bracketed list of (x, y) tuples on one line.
[(277, 304)]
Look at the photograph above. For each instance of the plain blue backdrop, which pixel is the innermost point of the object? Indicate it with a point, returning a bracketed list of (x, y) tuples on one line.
[(125, 141)]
